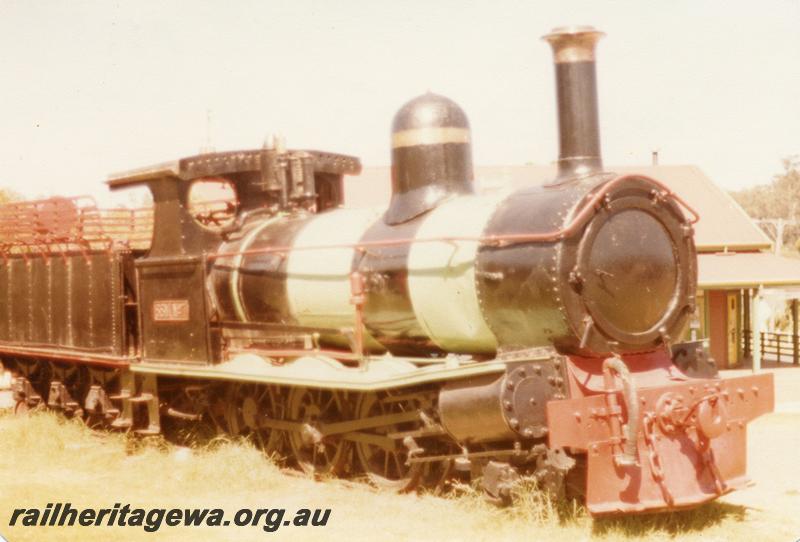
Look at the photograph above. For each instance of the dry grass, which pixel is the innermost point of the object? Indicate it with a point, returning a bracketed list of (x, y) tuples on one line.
[(47, 459)]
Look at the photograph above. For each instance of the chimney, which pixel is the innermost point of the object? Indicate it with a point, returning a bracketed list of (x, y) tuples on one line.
[(576, 91), (655, 158)]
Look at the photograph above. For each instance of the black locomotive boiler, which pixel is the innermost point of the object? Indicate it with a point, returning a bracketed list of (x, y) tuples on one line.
[(522, 333)]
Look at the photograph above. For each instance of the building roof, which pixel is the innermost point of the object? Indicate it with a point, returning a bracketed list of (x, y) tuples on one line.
[(746, 270), (723, 223)]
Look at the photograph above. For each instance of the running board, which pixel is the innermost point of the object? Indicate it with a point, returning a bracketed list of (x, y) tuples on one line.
[(326, 373)]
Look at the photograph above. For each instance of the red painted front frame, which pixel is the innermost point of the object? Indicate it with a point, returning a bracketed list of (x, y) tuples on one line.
[(583, 424)]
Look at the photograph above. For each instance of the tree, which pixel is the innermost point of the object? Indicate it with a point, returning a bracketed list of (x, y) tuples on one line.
[(778, 199), (6, 195)]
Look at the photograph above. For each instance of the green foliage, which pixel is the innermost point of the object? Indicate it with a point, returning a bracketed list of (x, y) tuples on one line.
[(6, 195), (778, 199)]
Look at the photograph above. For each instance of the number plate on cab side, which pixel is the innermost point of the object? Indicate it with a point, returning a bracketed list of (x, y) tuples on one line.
[(171, 310)]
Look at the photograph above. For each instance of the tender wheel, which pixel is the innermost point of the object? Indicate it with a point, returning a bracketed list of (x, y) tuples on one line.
[(21, 408), (93, 420), (76, 380), (99, 411), (317, 455), (251, 404), (38, 373), (384, 460)]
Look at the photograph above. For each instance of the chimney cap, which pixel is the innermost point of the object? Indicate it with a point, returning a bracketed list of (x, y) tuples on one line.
[(571, 30), (573, 43)]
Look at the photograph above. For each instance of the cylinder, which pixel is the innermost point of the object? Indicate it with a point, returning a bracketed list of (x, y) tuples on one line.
[(576, 91), (472, 411), (506, 406)]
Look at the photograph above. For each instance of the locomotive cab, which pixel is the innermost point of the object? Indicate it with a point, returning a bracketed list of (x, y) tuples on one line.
[(175, 309)]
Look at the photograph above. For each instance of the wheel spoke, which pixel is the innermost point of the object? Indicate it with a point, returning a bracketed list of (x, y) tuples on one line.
[(250, 403), (331, 401), (397, 462), (312, 407), (325, 453), (385, 466)]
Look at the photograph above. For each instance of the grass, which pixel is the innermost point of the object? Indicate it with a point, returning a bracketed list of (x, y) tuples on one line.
[(45, 458)]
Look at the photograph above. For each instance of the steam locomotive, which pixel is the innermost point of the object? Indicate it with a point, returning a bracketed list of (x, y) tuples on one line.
[(502, 335)]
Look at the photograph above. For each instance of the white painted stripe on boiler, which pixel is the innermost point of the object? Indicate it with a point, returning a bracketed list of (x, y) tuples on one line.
[(318, 281), (441, 275)]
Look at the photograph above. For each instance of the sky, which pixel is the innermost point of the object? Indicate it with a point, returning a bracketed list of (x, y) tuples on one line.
[(91, 88)]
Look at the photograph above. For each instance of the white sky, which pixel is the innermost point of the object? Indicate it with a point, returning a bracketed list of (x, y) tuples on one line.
[(89, 88)]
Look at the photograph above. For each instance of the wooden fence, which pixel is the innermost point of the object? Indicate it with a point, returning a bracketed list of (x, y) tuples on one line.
[(780, 347)]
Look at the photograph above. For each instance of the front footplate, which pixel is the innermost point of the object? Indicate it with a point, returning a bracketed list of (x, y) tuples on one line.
[(690, 445)]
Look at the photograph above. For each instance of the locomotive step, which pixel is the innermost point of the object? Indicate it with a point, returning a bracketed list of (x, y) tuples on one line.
[(69, 405), (150, 431), (121, 424)]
